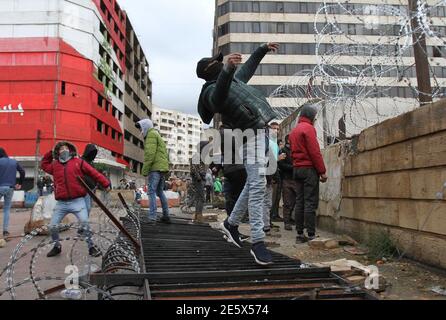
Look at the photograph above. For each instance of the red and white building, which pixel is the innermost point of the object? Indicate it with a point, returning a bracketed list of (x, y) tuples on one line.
[(64, 64)]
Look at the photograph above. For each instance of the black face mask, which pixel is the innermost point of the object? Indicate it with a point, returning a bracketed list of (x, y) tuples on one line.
[(214, 71), (209, 68)]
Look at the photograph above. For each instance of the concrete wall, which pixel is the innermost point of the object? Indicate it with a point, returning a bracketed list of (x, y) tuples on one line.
[(392, 178)]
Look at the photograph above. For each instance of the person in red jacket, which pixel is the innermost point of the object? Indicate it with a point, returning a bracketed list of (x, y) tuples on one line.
[(65, 166), (309, 171)]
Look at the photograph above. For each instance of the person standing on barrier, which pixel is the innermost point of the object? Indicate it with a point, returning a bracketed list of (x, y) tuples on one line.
[(156, 167), (244, 108), (8, 183), (65, 166), (309, 171), (198, 174)]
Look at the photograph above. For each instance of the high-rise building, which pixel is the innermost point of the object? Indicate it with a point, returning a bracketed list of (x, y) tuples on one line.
[(78, 72), (354, 26), (182, 133)]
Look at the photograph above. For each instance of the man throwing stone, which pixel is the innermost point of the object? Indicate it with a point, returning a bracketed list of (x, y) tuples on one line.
[(242, 107)]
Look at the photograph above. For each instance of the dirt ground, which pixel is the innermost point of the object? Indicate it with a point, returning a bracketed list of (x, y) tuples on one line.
[(407, 280)]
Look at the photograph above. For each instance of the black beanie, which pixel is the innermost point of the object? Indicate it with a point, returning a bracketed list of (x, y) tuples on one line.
[(210, 74)]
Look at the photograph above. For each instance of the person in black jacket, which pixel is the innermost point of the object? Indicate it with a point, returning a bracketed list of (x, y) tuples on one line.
[(290, 186), (90, 153)]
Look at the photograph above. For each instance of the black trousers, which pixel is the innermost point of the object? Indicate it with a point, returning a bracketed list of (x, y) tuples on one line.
[(290, 190), (277, 196), (234, 184), (307, 201), (208, 194)]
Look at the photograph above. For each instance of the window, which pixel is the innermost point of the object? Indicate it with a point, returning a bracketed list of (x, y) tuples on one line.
[(63, 88), (100, 100), (99, 126), (280, 27), (255, 6), (256, 27)]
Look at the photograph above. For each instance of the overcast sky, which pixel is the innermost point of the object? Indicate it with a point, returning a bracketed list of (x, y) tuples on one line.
[(174, 34)]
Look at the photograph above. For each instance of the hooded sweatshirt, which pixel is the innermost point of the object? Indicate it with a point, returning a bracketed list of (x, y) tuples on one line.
[(8, 171), (146, 126), (67, 187), (90, 153), (156, 158)]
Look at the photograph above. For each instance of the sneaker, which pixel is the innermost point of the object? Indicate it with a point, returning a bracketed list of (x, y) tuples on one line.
[(268, 232), (274, 226), (312, 237), (301, 239), (6, 234), (165, 220), (94, 252), (232, 234), (277, 219), (288, 227), (148, 221), (57, 250), (244, 238), (262, 256)]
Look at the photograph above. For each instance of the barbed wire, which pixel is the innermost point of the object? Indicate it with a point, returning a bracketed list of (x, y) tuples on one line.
[(365, 71)]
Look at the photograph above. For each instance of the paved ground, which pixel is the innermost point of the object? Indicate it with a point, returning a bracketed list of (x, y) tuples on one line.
[(408, 280)]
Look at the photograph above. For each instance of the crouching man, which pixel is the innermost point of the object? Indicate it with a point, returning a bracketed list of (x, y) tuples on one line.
[(65, 166)]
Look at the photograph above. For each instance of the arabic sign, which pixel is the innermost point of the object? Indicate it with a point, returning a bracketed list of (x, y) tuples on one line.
[(9, 109)]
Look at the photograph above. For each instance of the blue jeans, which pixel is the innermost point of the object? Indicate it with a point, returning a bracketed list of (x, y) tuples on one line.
[(63, 208), (88, 203), (267, 205), (156, 188), (7, 193), (252, 197)]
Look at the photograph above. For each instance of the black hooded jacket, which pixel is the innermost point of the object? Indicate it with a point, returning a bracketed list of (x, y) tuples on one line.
[(90, 153)]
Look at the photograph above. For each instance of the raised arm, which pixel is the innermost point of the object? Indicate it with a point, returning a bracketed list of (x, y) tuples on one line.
[(224, 81), (47, 163), (247, 71)]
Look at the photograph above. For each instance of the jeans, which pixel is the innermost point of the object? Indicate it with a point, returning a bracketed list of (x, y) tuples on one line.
[(253, 194), (7, 193), (267, 205), (63, 208), (307, 201), (88, 203), (156, 188)]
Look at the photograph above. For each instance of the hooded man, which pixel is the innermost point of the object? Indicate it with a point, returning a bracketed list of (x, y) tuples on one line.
[(156, 167), (90, 153), (309, 171), (242, 107), (8, 182), (65, 166)]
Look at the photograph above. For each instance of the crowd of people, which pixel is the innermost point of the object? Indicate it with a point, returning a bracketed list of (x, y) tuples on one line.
[(252, 179), (249, 188)]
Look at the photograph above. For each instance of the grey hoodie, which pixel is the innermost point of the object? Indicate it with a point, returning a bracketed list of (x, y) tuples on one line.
[(146, 125)]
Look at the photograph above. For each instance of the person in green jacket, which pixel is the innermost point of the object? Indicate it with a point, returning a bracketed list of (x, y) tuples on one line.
[(218, 187), (156, 166)]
